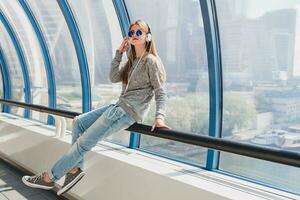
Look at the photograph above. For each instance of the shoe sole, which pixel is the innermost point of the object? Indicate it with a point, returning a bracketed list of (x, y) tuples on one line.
[(71, 184), (35, 185)]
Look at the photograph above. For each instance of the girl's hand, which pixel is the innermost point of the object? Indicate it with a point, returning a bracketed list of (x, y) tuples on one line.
[(159, 123), (124, 45)]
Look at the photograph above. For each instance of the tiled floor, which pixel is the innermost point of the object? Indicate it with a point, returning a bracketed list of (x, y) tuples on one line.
[(12, 187)]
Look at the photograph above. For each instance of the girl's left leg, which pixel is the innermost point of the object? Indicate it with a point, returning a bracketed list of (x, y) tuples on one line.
[(83, 122)]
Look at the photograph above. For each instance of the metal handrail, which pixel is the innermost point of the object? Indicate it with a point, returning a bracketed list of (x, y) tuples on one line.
[(277, 155)]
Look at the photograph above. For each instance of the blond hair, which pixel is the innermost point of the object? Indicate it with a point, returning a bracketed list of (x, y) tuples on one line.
[(150, 49)]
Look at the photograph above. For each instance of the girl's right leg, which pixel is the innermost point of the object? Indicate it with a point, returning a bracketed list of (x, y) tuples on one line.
[(113, 119), (83, 122)]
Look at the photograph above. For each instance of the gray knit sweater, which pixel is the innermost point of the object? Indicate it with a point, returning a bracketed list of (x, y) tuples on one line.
[(144, 84)]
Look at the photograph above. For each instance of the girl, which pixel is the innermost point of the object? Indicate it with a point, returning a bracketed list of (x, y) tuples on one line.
[(143, 76)]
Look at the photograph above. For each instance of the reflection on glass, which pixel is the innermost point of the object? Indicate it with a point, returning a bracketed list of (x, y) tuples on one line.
[(261, 74), (179, 35), (32, 53), (14, 70), (101, 35)]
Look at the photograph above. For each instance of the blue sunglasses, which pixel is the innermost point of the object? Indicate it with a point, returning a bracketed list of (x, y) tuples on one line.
[(138, 33)]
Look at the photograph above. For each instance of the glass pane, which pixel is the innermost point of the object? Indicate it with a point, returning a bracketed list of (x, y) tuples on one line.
[(101, 35), (62, 52), (1, 88), (32, 53), (260, 57), (14, 69), (179, 34)]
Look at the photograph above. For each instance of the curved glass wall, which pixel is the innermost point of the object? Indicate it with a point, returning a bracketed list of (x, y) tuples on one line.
[(32, 54), (101, 35), (14, 69), (177, 29), (260, 43), (260, 64), (62, 52)]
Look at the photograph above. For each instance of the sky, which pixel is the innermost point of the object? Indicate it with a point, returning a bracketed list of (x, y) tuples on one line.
[(257, 8)]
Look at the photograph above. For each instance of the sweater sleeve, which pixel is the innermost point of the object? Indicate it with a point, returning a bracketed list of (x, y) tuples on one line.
[(115, 72), (158, 87)]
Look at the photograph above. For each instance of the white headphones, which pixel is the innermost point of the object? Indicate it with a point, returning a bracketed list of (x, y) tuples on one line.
[(148, 35)]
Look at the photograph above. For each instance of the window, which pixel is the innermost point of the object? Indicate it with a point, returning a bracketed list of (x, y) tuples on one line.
[(1, 86), (260, 57), (14, 70), (177, 29), (101, 35), (32, 54), (62, 53)]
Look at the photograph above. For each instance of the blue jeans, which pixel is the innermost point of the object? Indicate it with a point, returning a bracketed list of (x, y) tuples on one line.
[(88, 129)]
